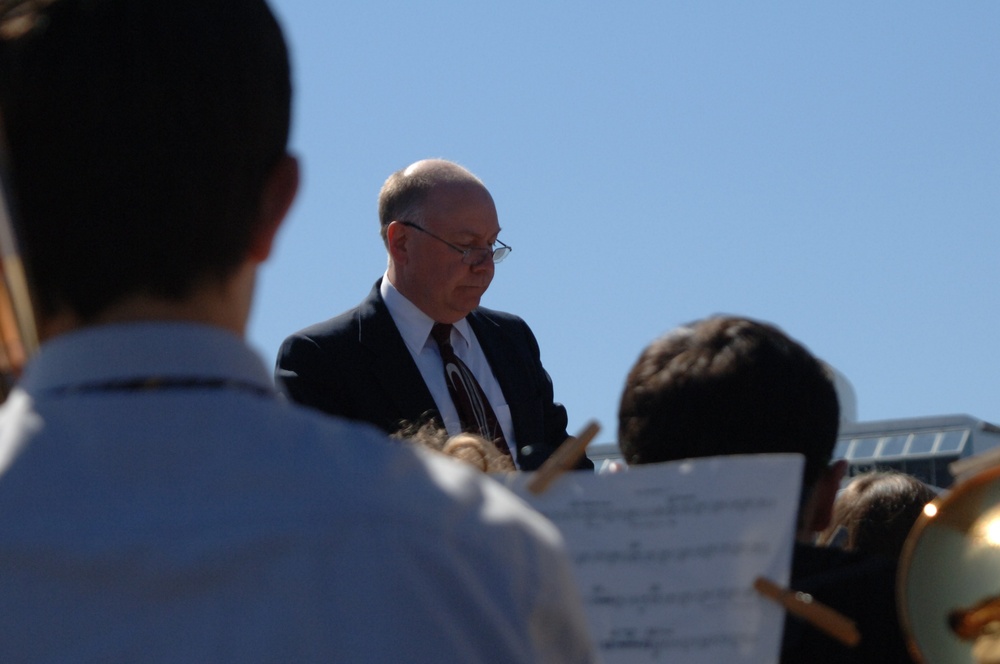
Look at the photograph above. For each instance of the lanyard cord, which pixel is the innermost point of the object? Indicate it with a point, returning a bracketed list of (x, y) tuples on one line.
[(155, 383)]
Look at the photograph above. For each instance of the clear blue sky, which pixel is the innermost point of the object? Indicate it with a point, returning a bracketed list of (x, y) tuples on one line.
[(833, 168)]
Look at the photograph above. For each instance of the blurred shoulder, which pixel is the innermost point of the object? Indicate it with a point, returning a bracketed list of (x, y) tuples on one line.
[(406, 483)]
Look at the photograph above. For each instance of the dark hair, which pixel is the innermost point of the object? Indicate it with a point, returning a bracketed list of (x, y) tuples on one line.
[(728, 386), (876, 511), (140, 135)]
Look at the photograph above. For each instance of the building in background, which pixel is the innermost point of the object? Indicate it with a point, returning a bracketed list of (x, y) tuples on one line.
[(920, 446)]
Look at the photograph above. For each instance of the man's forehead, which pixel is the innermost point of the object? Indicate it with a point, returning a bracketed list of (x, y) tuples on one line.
[(467, 210)]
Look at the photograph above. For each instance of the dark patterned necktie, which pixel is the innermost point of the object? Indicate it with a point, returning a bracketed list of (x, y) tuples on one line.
[(474, 409)]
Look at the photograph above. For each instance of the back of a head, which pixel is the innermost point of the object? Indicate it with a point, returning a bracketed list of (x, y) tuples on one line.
[(876, 511), (728, 385), (140, 136), (479, 452), (468, 447)]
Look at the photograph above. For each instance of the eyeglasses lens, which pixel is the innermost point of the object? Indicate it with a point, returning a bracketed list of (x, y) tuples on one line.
[(500, 253)]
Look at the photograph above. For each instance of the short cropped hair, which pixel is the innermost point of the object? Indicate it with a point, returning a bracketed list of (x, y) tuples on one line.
[(140, 136), (728, 385), (403, 194)]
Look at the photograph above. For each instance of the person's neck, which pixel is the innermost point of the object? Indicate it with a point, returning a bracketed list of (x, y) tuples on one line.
[(224, 304)]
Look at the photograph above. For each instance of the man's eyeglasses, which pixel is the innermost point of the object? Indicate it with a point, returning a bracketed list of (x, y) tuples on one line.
[(472, 255)]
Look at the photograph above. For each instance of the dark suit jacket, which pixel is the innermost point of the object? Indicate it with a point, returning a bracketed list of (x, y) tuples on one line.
[(356, 365), (860, 586)]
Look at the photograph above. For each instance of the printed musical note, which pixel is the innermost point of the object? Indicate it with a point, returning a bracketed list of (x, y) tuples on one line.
[(666, 555)]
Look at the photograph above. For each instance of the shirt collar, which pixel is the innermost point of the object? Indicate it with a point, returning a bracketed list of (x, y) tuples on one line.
[(130, 351), (413, 324)]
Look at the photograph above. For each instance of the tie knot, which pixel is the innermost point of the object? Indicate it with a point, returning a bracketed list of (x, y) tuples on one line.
[(442, 334)]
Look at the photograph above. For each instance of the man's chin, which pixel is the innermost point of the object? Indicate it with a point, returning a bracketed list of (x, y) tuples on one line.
[(467, 304)]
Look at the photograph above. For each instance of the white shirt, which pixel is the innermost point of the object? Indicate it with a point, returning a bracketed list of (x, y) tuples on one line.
[(206, 519), (415, 327)]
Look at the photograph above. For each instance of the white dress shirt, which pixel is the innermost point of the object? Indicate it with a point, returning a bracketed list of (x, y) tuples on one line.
[(159, 503), (415, 327)]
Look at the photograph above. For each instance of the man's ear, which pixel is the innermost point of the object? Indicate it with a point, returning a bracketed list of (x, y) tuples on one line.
[(280, 189), (396, 237), (824, 493)]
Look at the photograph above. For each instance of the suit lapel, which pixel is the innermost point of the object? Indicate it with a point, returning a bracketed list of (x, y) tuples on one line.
[(392, 365)]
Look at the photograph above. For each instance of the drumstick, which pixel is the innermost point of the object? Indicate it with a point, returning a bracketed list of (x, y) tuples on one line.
[(804, 606), (18, 333), (564, 458)]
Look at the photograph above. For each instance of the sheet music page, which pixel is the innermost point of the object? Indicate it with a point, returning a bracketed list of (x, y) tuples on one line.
[(666, 555)]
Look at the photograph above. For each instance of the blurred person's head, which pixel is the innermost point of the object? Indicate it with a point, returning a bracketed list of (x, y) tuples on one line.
[(468, 447), (147, 146), (728, 385), (875, 512)]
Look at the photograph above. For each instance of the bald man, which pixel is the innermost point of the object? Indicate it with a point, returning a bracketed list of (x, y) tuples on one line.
[(380, 363)]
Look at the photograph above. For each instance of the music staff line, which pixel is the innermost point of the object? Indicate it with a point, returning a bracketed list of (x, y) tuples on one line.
[(594, 513), (636, 554), (664, 642), (655, 598)]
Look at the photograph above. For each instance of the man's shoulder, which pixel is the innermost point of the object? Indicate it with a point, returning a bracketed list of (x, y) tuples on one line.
[(860, 586), (396, 476), (501, 327), (344, 324), (830, 567), (331, 327), (302, 471), (443, 507), (336, 504), (435, 532), (850, 581), (497, 316)]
